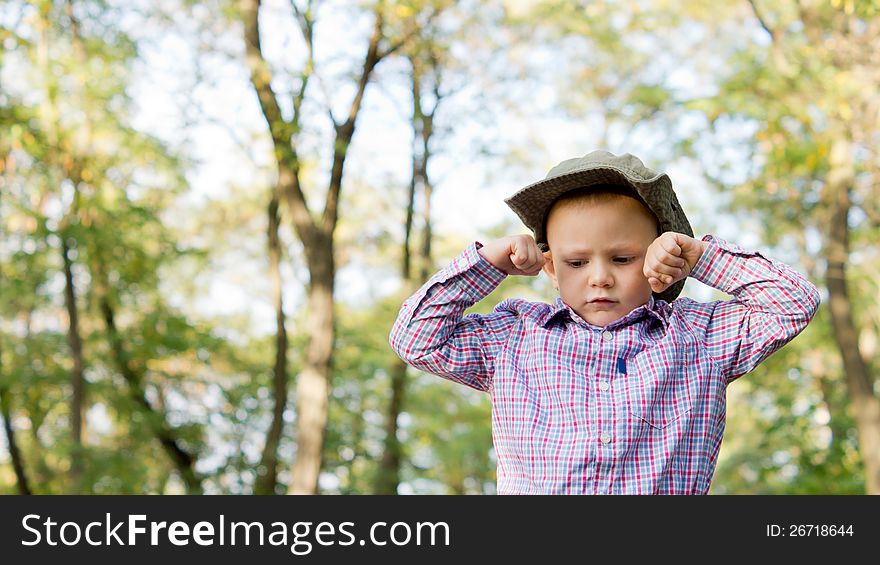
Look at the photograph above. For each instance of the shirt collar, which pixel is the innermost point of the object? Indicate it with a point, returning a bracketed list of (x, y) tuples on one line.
[(657, 309)]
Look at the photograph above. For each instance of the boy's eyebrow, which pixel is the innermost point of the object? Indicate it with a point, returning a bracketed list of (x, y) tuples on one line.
[(620, 249)]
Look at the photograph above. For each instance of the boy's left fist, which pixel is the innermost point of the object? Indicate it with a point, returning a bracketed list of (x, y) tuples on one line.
[(670, 258)]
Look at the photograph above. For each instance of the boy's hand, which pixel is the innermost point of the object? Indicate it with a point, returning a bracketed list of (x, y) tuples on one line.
[(670, 258), (515, 255)]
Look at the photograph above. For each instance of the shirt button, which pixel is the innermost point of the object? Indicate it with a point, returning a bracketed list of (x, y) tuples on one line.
[(606, 438), (606, 335), (603, 386)]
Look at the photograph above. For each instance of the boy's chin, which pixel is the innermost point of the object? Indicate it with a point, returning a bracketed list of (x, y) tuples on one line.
[(600, 319)]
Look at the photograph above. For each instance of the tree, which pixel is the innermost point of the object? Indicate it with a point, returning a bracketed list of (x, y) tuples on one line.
[(315, 233), (426, 57), (811, 91), (82, 171)]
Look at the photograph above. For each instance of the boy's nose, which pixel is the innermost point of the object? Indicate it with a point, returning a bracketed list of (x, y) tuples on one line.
[(600, 276)]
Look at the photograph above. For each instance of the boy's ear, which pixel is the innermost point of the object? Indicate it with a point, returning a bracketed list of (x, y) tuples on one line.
[(550, 269)]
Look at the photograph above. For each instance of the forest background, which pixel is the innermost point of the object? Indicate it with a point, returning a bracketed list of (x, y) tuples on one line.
[(212, 210)]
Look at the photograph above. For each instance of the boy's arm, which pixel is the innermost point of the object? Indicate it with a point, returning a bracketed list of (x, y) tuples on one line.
[(431, 334), (772, 304)]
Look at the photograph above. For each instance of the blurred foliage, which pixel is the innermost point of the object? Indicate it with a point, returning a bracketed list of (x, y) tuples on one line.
[(695, 82)]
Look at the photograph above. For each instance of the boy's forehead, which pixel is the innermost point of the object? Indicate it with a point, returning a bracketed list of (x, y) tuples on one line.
[(581, 227), (611, 243), (619, 209), (599, 202)]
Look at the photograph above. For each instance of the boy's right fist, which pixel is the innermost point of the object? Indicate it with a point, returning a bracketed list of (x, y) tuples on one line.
[(515, 255)]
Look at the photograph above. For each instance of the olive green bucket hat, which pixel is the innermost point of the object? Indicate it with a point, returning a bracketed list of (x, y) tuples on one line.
[(654, 189)]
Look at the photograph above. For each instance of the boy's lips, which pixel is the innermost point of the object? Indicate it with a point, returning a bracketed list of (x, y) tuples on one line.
[(601, 300)]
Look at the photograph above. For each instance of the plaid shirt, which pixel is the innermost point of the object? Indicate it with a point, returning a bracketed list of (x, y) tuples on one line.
[(636, 407)]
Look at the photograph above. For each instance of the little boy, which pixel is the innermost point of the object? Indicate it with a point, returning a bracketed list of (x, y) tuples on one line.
[(618, 387)]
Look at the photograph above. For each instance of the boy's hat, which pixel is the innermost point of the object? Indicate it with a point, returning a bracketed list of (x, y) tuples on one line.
[(654, 189)]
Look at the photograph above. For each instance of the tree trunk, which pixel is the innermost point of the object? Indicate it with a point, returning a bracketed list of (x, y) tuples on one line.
[(6, 414), (77, 400), (406, 261), (846, 333), (268, 470), (14, 453), (313, 384), (66, 162), (427, 266), (388, 477)]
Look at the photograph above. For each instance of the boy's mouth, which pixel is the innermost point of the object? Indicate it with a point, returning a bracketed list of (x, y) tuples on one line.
[(602, 301)]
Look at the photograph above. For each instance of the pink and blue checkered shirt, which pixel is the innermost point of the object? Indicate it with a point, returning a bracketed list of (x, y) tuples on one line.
[(636, 407)]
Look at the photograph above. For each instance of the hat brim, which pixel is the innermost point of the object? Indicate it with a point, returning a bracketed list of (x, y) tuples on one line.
[(533, 202)]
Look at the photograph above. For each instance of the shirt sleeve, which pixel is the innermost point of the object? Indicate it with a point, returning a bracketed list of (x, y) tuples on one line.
[(431, 333), (772, 303)]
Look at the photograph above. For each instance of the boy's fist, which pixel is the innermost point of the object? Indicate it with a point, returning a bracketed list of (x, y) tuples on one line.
[(670, 258), (515, 255)]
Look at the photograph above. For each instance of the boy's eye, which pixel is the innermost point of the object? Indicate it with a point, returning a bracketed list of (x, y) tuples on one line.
[(575, 264), (623, 260)]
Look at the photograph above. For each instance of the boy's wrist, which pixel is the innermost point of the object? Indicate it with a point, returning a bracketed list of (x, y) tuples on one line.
[(705, 245), (482, 256), (709, 247), (487, 252)]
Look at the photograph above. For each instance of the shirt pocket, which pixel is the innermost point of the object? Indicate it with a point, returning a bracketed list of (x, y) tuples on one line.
[(658, 390)]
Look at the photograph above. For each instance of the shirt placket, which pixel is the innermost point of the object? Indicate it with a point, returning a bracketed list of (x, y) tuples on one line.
[(604, 388)]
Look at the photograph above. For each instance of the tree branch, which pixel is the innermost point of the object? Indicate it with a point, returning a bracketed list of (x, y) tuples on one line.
[(413, 31), (280, 130), (306, 25), (345, 131), (772, 33)]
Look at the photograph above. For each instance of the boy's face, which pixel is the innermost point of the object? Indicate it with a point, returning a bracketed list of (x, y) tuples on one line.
[(597, 251)]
